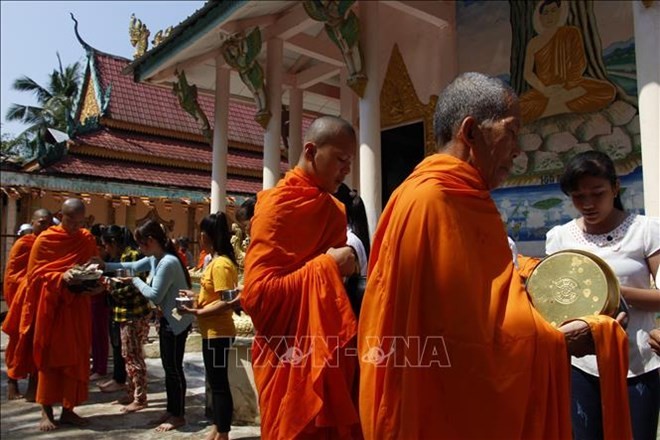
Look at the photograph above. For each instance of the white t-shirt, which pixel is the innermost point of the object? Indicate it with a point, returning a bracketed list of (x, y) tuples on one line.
[(625, 249), (355, 242)]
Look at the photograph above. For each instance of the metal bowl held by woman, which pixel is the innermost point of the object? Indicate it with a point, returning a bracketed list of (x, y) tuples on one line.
[(573, 283)]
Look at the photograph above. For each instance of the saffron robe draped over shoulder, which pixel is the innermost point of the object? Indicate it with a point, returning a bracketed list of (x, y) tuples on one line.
[(16, 267), (19, 364), (449, 344), (62, 333), (303, 319)]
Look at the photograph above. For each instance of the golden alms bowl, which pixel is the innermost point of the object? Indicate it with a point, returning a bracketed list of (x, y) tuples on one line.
[(571, 284)]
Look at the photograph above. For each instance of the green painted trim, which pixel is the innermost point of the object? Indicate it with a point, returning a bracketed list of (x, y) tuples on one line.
[(149, 63), (55, 183)]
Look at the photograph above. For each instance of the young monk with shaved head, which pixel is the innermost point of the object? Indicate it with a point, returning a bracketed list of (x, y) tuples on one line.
[(18, 355), (295, 295), (62, 333)]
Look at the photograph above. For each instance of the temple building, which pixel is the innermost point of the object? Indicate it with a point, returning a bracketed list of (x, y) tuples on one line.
[(381, 65), (135, 153), (213, 110)]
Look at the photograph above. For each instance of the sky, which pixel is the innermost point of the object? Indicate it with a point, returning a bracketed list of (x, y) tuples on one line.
[(32, 32)]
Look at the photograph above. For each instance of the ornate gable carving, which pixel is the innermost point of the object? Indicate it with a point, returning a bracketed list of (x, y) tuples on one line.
[(399, 104), (90, 106)]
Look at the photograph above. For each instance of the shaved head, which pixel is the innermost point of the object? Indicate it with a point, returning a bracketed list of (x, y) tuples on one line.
[(328, 150), (72, 205), (41, 220), (328, 128), (73, 215)]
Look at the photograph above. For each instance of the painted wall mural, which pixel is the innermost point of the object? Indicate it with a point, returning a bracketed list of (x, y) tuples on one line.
[(573, 65)]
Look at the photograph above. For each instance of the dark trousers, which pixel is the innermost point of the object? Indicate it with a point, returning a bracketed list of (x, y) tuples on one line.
[(118, 365), (172, 348), (587, 417), (216, 358)]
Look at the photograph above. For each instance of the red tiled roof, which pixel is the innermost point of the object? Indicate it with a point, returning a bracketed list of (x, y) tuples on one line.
[(131, 172), (153, 106), (135, 143)]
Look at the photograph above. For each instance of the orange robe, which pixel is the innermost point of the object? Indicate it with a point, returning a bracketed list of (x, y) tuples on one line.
[(14, 286), (562, 61), (62, 331), (305, 325), (450, 347)]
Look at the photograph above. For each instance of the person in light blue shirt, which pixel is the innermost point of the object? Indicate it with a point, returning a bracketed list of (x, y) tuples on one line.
[(167, 275)]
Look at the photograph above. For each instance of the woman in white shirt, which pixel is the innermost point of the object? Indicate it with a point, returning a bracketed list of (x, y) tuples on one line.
[(630, 244)]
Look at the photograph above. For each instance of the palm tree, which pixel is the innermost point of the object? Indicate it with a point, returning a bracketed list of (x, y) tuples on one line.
[(55, 101)]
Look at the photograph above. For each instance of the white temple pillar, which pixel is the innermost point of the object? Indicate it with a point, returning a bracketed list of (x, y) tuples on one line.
[(347, 112), (647, 54), (295, 125), (220, 138), (273, 134), (370, 154)]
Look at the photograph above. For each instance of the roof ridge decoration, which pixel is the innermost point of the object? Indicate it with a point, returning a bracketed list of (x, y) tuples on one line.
[(344, 32), (160, 36), (90, 78), (187, 96), (139, 34), (240, 51)]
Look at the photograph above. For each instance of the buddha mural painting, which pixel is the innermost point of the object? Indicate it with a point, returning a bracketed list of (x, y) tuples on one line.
[(555, 62)]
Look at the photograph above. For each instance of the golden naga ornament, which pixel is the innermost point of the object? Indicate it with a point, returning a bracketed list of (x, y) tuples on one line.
[(160, 36), (139, 36)]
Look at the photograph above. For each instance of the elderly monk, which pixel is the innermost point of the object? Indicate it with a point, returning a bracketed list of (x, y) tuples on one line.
[(295, 295), (19, 365), (449, 344), (62, 333)]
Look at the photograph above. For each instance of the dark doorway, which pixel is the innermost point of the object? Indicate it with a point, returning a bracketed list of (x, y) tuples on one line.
[(402, 148)]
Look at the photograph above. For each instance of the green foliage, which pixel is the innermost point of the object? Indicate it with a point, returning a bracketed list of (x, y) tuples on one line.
[(55, 101)]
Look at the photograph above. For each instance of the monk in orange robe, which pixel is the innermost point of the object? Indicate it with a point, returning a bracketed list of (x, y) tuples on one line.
[(62, 331), (449, 344), (14, 286), (294, 293)]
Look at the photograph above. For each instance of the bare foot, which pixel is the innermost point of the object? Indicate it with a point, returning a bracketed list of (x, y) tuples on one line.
[(68, 417), (221, 436), (111, 387), (125, 400), (31, 393), (133, 406), (12, 390), (104, 383), (211, 435), (170, 424), (47, 422), (161, 419), (96, 376)]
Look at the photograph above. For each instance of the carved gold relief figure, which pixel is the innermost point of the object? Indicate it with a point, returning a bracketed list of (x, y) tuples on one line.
[(554, 66), (344, 31), (139, 36), (240, 52)]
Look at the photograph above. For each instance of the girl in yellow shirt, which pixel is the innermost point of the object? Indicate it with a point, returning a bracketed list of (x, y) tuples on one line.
[(214, 317)]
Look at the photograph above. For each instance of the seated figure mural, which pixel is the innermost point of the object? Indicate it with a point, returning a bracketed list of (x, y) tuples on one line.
[(555, 64)]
